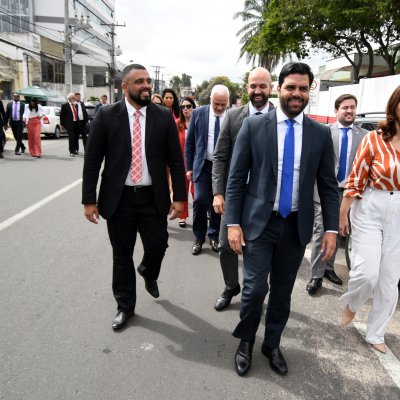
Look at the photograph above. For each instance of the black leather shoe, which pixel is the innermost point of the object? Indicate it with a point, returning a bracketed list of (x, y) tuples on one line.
[(276, 360), (197, 246), (23, 150), (214, 245), (243, 357), (17, 153), (331, 276), (151, 286), (121, 319), (1, 155), (314, 285), (225, 299)]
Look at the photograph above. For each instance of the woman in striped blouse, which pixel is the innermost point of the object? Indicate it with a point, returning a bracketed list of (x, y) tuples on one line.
[(372, 191)]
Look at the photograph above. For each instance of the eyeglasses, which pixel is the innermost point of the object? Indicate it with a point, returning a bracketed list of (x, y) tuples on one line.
[(188, 106)]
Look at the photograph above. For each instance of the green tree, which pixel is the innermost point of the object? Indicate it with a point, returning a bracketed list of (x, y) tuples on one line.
[(175, 83), (205, 92), (255, 15), (186, 80)]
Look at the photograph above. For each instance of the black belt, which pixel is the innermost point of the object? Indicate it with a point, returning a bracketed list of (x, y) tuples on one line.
[(139, 188)]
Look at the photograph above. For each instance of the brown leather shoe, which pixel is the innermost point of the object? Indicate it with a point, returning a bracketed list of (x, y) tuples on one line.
[(197, 246)]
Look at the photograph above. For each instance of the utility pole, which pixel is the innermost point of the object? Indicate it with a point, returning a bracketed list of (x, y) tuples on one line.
[(157, 77), (113, 53), (68, 48)]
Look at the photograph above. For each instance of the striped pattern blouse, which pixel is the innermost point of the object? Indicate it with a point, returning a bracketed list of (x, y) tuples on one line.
[(376, 164)]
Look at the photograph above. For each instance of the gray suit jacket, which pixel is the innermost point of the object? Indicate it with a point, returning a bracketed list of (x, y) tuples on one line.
[(357, 136), (224, 147), (256, 151)]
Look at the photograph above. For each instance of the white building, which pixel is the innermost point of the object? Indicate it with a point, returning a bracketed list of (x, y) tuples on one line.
[(34, 43)]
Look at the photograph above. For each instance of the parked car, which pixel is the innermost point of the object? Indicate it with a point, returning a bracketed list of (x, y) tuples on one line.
[(369, 120), (51, 123)]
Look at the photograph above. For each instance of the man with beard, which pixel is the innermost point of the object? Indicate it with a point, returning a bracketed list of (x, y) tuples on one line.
[(346, 138), (138, 141), (259, 88), (269, 209)]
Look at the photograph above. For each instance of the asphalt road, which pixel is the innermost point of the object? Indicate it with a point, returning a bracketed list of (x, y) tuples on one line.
[(56, 340)]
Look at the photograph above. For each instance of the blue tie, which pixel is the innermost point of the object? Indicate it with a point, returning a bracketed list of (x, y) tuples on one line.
[(216, 130), (285, 199), (343, 156)]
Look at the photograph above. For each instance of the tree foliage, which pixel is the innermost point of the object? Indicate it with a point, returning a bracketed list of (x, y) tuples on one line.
[(339, 28), (203, 91)]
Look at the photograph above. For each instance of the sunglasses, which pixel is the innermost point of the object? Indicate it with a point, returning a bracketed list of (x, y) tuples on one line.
[(188, 106)]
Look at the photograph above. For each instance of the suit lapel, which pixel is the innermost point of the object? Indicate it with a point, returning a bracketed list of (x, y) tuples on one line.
[(272, 131), (335, 139), (355, 142), (306, 147), (123, 122), (150, 118), (205, 121)]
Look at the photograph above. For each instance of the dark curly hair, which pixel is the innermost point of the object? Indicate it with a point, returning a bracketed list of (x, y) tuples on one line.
[(175, 106)]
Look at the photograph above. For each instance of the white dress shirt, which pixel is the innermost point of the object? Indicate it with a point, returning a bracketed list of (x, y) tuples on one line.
[(253, 110), (349, 143), (211, 126), (146, 178), (298, 141)]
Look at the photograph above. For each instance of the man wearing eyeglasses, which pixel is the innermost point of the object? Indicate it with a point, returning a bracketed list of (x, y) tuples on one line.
[(203, 131), (259, 88)]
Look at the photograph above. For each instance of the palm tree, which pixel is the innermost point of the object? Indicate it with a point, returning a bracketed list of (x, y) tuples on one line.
[(255, 15)]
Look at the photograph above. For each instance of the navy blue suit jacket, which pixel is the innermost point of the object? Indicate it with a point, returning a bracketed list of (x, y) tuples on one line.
[(196, 141), (256, 152)]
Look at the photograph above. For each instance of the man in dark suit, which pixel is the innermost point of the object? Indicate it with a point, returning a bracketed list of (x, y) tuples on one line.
[(259, 88), (15, 111), (103, 102), (201, 138), (138, 141), (83, 119), (346, 138), (69, 120), (3, 125), (269, 209)]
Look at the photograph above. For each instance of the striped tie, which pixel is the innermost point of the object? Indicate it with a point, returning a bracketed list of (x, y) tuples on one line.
[(136, 169)]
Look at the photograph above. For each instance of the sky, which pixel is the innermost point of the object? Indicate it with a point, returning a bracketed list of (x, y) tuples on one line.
[(193, 37)]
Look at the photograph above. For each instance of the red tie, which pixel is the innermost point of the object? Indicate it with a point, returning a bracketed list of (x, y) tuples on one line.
[(136, 169), (75, 112)]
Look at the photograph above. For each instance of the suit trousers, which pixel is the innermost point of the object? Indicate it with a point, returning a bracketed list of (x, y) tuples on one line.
[(375, 272), (82, 132), (318, 267), (135, 213), (73, 137), (276, 254), (202, 204), (17, 129), (228, 259)]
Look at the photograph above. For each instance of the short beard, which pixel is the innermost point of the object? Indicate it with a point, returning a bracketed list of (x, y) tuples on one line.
[(139, 100), (260, 103)]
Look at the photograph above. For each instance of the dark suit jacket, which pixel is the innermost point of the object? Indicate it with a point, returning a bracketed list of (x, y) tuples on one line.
[(3, 116), (9, 116), (110, 139), (196, 141), (84, 112), (224, 147), (256, 151), (66, 116)]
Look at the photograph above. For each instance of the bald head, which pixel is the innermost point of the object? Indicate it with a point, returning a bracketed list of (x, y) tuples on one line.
[(259, 87), (219, 99)]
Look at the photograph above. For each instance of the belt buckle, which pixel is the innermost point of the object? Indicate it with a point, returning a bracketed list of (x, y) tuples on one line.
[(137, 188)]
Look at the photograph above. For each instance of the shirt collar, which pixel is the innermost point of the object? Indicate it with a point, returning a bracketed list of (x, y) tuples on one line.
[(131, 110), (282, 117), (340, 126), (253, 110)]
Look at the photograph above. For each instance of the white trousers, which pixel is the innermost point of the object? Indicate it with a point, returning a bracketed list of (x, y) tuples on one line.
[(375, 258)]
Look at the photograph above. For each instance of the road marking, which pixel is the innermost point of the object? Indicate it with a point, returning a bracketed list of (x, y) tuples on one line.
[(24, 213), (388, 360)]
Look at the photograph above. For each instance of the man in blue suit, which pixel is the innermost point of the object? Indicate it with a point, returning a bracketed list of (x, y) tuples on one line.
[(270, 211), (201, 138)]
